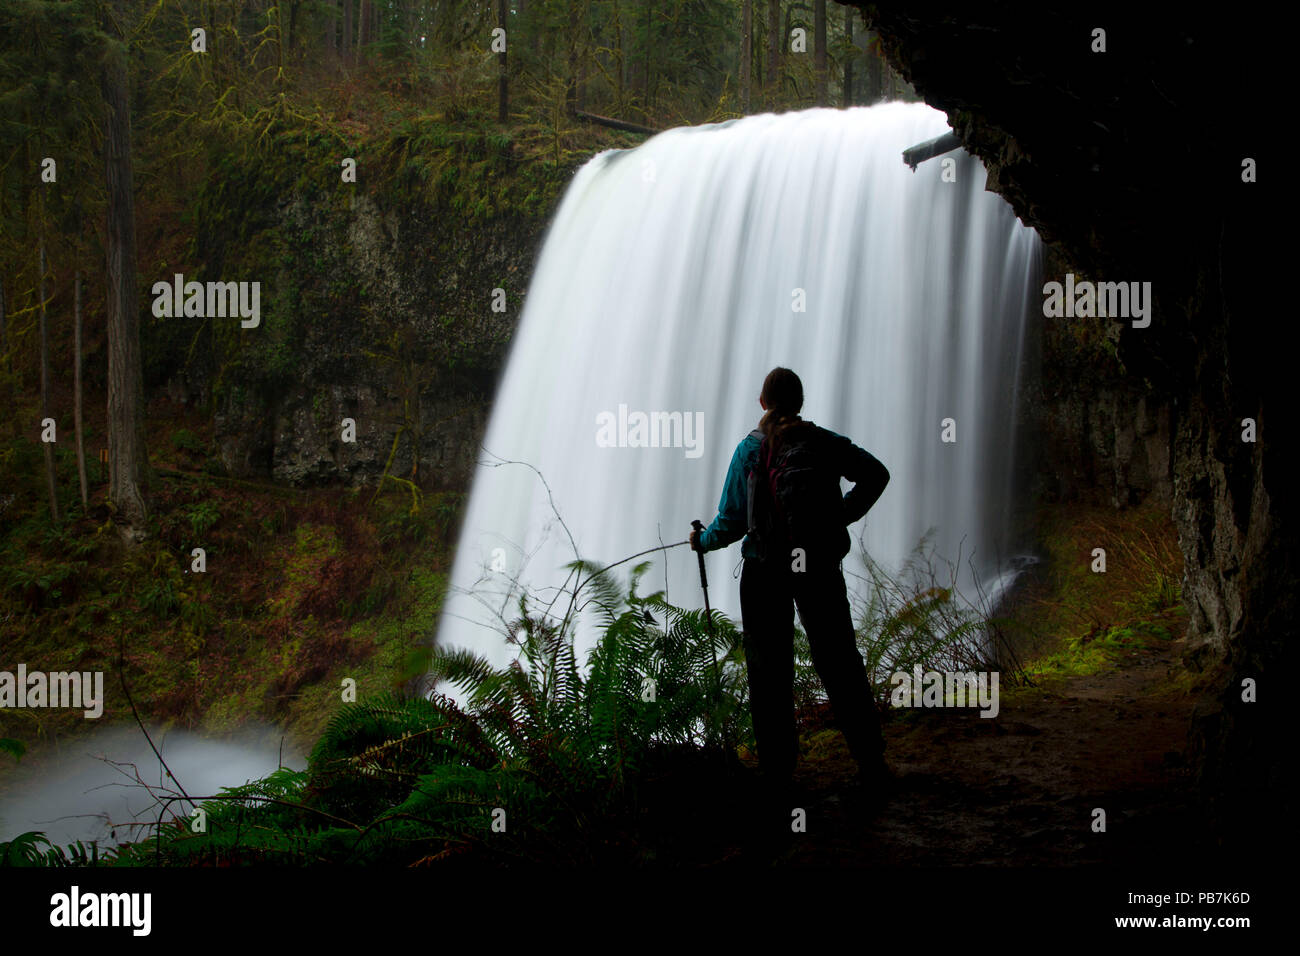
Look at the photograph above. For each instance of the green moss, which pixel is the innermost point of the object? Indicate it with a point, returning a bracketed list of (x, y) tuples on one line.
[(1073, 620), (1089, 654)]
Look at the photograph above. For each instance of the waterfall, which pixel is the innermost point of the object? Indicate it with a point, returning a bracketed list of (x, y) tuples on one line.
[(674, 277)]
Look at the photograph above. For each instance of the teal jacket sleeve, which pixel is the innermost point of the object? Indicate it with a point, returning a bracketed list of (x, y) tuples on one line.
[(732, 522)]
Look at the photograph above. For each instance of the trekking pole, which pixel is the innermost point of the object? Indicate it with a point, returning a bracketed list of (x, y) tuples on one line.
[(708, 619)]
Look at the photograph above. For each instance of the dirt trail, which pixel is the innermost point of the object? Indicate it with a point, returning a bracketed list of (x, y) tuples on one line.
[(1020, 788)]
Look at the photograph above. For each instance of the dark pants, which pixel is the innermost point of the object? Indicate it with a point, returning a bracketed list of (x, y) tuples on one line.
[(769, 592)]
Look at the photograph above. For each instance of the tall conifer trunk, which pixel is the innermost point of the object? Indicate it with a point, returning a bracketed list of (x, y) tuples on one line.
[(127, 452)]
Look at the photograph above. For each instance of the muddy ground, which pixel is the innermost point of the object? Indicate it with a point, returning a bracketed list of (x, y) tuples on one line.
[(1018, 789)]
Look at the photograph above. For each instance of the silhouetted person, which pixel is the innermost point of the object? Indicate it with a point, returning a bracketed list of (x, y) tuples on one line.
[(782, 492)]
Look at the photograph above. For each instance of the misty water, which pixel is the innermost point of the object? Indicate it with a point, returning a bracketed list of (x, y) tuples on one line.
[(88, 790), (671, 281)]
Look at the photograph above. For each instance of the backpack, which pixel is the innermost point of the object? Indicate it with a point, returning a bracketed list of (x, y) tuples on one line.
[(794, 496)]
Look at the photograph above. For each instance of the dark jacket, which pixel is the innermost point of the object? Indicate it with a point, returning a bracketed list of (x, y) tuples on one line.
[(842, 456)]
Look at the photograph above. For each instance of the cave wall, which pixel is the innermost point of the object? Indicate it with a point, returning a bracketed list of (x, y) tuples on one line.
[(1095, 434), (1129, 163)]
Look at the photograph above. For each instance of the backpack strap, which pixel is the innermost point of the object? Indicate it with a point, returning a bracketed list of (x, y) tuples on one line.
[(751, 481)]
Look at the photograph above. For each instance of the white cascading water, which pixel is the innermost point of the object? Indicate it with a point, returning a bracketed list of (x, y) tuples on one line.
[(670, 281)]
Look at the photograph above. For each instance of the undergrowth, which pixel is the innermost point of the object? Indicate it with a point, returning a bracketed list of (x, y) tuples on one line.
[(542, 759), (548, 760)]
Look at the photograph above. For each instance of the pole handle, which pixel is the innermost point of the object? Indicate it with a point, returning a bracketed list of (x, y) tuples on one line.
[(704, 580)]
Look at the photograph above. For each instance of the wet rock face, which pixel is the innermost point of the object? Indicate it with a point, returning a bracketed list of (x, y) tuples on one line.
[(1109, 447), (1130, 162), (412, 343), (1094, 434)]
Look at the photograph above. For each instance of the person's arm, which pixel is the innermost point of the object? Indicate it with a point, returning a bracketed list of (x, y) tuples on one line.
[(732, 522), (868, 475)]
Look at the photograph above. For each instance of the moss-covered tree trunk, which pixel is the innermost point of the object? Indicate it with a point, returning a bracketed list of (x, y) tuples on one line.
[(76, 392), (347, 32), (127, 452), (848, 58), (503, 86), (50, 477), (746, 53), (773, 80), (819, 54), (5, 364)]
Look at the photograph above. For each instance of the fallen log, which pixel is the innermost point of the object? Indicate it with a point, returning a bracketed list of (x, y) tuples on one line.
[(614, 123), (915, 155)]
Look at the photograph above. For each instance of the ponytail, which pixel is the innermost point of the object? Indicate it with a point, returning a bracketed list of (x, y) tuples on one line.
[(783, 395)]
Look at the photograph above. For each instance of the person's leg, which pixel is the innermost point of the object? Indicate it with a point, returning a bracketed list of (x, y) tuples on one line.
[(828, 622), (767, 612)]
